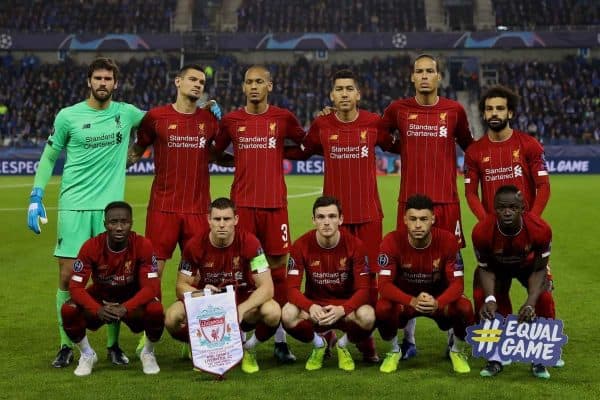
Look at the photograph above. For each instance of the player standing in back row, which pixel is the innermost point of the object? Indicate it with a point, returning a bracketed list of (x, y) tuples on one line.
[(258, 132), (429, 127)]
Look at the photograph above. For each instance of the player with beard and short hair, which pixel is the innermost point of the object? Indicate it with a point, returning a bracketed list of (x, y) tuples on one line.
[(513, 244), (126, 287), (257, 132), (429, 127), (421, 275), (504, 156), (95, 136), (226, 255)]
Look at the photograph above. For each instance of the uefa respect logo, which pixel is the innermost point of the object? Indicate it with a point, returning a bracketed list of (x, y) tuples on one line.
[(538, 342)]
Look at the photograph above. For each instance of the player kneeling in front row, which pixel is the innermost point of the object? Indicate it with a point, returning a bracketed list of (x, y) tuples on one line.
[(511, 244), (336, 292), (225, 255), (420, 275), (125, 287)]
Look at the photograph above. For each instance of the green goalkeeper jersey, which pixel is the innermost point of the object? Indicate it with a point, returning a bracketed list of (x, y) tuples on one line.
[(95, 143)]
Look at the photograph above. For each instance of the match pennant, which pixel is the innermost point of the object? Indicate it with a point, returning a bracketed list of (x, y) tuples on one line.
[(214, 331)]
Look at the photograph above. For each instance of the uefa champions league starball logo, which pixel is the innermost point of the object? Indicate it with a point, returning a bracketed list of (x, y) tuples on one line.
[(399, 40), (5, 41)]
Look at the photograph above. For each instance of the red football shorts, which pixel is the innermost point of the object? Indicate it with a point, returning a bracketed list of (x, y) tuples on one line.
[(270, 225), (166, 230), (447, 216), (370, 233)]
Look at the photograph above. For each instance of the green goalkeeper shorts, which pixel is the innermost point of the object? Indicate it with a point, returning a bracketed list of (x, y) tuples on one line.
[(74, 228)]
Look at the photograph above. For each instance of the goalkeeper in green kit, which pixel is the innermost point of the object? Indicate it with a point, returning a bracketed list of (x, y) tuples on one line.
[(95, 136)]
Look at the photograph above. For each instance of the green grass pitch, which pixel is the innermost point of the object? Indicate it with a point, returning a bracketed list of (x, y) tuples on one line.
[(29, 337)]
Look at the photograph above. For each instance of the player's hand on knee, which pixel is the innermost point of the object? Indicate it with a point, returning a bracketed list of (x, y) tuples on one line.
[(526, 313), (488, 310), (36, 212)]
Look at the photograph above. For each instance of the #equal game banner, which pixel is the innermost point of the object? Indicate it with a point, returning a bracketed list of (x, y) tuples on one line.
[(537, 342), (214, 330)]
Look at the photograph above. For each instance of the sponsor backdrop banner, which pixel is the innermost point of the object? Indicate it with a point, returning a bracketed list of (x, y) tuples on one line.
[(298, 41), (313, 166)]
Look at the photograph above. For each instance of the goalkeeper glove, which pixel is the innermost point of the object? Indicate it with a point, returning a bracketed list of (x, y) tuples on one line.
[(36, 211), (215, 109)]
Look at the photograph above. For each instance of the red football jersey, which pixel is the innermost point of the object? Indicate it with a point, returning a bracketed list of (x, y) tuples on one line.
[(427, 144), (129, 276), (518, 160), (435, 269), (258, 141), (350, 171), (221, 266), (509, 254), (181, 152), (338, 276)]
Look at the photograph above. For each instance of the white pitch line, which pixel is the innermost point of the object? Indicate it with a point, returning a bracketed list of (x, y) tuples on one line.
[(18, 185), (291, 196), (24, 209)]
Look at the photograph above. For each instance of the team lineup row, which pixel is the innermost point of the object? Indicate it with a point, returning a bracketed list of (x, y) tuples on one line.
[(423, 130)]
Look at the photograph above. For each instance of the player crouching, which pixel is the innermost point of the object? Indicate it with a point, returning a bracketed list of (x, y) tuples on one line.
[(336, 292), (420, 275), (125, 287), (221, 256)]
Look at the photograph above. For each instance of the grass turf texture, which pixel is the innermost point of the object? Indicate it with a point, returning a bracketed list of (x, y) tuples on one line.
[(29, 336)]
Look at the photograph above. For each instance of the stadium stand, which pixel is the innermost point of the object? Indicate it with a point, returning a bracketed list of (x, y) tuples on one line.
[(94, 16), (534, 14), (560, 101), (31, 93), (331, 16)]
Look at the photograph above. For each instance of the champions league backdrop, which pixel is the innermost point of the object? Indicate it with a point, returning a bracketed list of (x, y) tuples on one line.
[(302, 41), (559, 159)]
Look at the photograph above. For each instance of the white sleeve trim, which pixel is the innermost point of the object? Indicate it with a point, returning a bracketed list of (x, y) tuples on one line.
[(385, 272), (293, 272), (467, 180), (185, 272), (77, 278), (152, 274), (482, 264), (546, 254), (459, 273), (542, 173)]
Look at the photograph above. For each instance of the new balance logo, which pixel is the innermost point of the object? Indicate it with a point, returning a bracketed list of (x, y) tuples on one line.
[(202, 142), (86, 126), (272, 142), (443, 131)]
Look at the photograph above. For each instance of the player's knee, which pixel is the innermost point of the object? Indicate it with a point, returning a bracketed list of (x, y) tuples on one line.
[(270, 313), (69, 311), (155, 311), (289, 315), (365, 317), (174, 317)]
